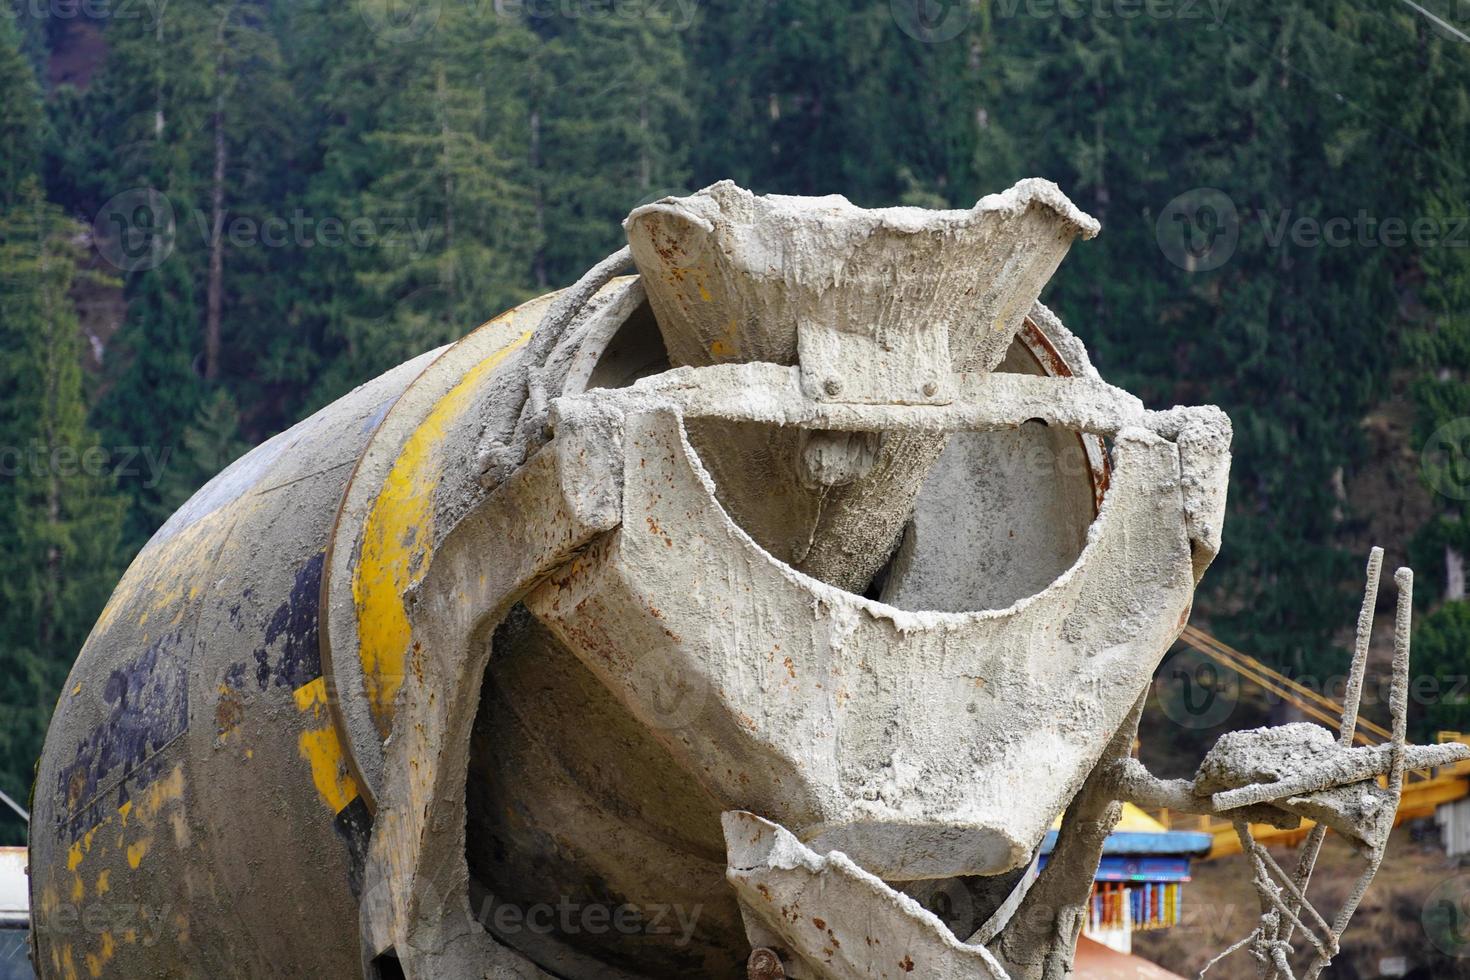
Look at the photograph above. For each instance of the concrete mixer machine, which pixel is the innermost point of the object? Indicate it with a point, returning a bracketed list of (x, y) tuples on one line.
[(702, 622)]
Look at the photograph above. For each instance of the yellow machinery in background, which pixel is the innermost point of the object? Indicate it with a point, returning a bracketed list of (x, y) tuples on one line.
[(1424, 790)]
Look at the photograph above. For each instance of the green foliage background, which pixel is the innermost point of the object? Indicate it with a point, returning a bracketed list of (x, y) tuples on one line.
[(490, 151)]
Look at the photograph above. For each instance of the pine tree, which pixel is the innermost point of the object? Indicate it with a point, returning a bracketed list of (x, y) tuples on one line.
[(60, 534), (194, 87), (426, 154), (1442, 652), (1440, 352), (153, 97), (1292, 336), (820, 97), (609, 115), (20, 119)]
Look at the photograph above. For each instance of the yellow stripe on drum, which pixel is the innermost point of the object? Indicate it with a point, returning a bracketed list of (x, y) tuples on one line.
[(321, 747), (398, 540)]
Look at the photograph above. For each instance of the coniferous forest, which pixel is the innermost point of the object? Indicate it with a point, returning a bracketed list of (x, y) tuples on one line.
[(216, 216)]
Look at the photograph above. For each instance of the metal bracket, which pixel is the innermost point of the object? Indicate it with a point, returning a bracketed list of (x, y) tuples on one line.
[(877, 364)]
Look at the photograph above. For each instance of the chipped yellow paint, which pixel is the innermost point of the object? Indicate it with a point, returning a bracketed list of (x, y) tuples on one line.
[(164, 790), (76, 690), (160, 586), (142, 810), (729, 347), (105, 952), (74, 856), (397, 540), (320, 746), (230, 712), (322, 749), (164, 587), (97, 961), (311, 696)]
